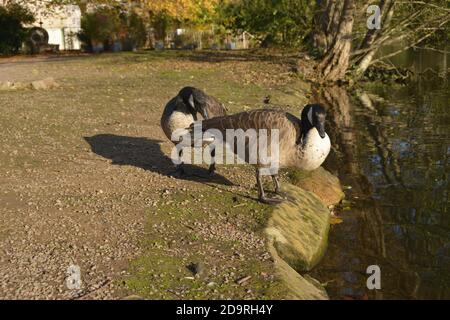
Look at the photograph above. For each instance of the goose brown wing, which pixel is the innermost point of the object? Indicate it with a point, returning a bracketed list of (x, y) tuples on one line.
[(287, 124), (255, 119)]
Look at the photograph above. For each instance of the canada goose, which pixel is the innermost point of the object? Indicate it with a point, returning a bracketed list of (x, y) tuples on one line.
[(303, 143), (200, 102), (182, 110)]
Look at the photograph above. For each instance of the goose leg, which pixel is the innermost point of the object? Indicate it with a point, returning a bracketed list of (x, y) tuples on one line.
[(179, 169), (261, 194), (212, 167), (276, 183)]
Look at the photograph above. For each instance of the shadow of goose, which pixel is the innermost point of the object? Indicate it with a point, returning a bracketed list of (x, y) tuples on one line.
[(146, 153)]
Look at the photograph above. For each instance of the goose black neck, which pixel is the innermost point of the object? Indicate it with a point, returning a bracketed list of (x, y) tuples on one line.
[(305, 127)]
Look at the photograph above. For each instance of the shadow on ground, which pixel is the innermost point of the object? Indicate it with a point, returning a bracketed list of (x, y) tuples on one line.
[(146, 154)]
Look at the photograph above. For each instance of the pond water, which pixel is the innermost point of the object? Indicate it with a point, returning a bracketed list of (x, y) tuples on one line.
[(392, 152)]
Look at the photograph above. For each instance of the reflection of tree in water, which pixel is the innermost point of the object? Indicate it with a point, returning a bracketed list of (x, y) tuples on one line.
[(389, 224)]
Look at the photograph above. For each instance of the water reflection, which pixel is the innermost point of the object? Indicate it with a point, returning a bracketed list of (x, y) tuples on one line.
[(391, 145)]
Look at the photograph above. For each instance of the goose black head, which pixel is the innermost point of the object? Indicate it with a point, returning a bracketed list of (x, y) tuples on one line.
[(195, 99), (313, 116)]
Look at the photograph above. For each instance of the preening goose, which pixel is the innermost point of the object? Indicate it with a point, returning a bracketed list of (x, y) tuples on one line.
[(303, 143), (200, 102), (182, 110)]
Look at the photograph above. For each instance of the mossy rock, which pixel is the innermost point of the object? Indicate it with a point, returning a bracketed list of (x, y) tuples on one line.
[(322, 183), (298, 229), (300, 287)]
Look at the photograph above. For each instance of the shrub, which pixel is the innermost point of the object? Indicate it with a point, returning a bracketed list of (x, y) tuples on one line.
[(136, 32), (99, 27), (13, 17), (186, 40), (161, 23), (281, 22), (106, 26)]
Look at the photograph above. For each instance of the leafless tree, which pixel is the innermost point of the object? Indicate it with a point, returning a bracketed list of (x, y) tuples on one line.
[(342, 37)]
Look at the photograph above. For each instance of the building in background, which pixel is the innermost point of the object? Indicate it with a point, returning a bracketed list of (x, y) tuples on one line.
[(62, 23)]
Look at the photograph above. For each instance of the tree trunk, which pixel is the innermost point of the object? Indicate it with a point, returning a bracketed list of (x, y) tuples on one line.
[(364, 60), (326, 22), (335, 63)]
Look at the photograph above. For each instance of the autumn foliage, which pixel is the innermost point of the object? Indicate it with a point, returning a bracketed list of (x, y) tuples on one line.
[(194, 11)]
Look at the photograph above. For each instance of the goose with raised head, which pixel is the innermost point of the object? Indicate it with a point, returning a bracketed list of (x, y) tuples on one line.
[(303, 143), (182, 110)]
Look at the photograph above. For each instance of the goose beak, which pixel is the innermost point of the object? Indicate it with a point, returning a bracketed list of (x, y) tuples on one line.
[(321, 129)]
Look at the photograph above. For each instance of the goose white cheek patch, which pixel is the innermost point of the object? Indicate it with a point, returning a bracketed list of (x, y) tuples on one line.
[(310, 118), (191, 101)]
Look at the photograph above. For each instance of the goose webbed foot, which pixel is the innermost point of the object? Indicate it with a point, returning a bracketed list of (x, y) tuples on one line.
[(285, 196), (265, 200), (261, 194), (282, 194)]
